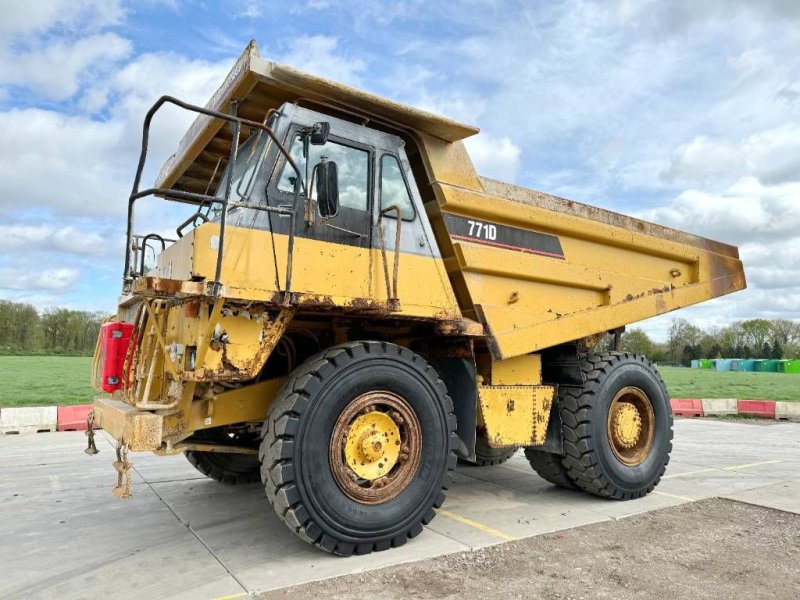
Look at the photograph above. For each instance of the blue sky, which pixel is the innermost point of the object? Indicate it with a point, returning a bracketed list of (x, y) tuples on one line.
[(684, 113)]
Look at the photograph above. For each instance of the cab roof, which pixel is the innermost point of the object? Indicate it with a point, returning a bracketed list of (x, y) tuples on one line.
[(259, 85)]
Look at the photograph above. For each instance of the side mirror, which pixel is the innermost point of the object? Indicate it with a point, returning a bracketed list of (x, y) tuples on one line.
[(327, 184), (319, 133)]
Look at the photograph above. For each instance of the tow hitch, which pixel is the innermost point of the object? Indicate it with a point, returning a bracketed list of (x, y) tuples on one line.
[(122, 465)]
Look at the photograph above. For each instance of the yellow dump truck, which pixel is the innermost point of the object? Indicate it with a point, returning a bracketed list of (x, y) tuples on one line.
[(350, 308)]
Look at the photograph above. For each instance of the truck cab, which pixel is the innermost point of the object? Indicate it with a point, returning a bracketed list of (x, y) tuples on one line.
[(341, 246)]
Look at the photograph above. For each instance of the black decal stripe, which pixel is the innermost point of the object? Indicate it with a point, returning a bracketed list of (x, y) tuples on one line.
[(503, 236), (466, 238)]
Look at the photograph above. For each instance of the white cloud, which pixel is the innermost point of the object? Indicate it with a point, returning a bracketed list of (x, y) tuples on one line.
[(56, 70), (454, 105), (25, 239), (80, 165), (48, 279), (69, 164), (745, 212), (249, 9), (494, 157), (26, 17), (321, 55), (772, 155)]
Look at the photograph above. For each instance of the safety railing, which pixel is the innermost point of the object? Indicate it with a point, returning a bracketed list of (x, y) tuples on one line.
[(131, 272)]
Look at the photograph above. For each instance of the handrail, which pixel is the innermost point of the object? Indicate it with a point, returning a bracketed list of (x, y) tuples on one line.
[(391, 291), (194, 198), (147, 238)]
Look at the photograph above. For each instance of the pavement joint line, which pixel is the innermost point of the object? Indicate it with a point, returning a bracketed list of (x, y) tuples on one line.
[(728, 468), (689, 473), (477, 525), (176, 480), (676, 496), (755, 464), (188, 526)]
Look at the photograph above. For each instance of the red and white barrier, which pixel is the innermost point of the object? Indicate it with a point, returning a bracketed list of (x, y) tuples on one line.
[(723, 407), (35, 419), (28, 419)]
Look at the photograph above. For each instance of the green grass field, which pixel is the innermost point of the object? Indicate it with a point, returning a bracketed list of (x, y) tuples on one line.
[(48, 380), (702, 383), (45, 380)]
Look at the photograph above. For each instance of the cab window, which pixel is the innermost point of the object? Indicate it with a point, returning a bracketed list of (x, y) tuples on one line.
[(352, 168), (394, 190)]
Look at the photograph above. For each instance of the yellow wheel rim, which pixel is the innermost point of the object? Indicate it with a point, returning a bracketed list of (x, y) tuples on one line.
[(631, 426), (373, 445)]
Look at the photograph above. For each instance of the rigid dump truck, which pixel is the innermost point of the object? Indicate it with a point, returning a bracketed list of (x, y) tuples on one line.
[(350, 308)]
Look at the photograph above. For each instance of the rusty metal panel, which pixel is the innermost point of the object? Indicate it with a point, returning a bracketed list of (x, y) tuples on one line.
[(140, 430), (520, 370), (239, 405), (515, 415)]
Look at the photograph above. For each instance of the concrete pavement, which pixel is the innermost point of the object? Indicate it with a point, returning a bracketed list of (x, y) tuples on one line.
[(184, 536)]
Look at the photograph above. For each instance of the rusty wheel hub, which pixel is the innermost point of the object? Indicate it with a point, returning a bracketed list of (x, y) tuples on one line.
[(631, 425), (627, 425), (375, 447)]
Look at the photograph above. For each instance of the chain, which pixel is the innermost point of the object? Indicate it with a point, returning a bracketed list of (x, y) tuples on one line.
[(123, 468), (91, 448)]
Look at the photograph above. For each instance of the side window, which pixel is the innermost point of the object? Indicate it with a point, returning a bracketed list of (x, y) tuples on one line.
[(394, 189), (352, 168)]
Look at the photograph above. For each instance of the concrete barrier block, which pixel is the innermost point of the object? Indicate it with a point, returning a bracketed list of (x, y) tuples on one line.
[(73, 418), (28, 419), (788, 411), (719, 407), (687, 407), (757, 408)]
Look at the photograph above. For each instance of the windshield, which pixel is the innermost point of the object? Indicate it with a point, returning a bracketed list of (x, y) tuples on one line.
[(249, 157)]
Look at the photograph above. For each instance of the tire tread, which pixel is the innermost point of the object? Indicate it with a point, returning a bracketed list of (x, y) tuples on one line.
[(277, 445)]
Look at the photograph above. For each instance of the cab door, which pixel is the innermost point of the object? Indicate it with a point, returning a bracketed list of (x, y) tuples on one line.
[(331, 251)]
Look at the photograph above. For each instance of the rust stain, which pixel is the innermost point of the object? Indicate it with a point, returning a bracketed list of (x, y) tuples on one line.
[(191, 310), (460, 327)]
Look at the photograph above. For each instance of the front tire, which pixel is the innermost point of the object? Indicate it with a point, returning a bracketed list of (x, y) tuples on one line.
[(357, 447), (617, 426)]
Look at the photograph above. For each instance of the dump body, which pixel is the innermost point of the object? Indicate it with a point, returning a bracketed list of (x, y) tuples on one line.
[(539, 271)]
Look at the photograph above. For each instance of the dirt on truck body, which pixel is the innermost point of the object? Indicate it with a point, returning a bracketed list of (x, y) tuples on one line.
[(350, 308)]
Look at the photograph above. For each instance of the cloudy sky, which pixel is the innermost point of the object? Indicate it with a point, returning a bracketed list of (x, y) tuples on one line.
[(684, 113)]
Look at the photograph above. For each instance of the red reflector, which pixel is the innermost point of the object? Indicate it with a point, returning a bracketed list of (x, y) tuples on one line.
[(114, 340)]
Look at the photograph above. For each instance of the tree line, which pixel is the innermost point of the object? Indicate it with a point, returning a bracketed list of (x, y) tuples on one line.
[(26, 330), (753, 338)]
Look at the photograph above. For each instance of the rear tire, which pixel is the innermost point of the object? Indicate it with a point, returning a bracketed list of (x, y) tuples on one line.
[(550, 468), (305, 466), (486, 456), (617, 426), (231, 469)]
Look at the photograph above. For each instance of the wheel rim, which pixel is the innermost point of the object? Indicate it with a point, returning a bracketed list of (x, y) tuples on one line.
[(631, 425), (375, 448)]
